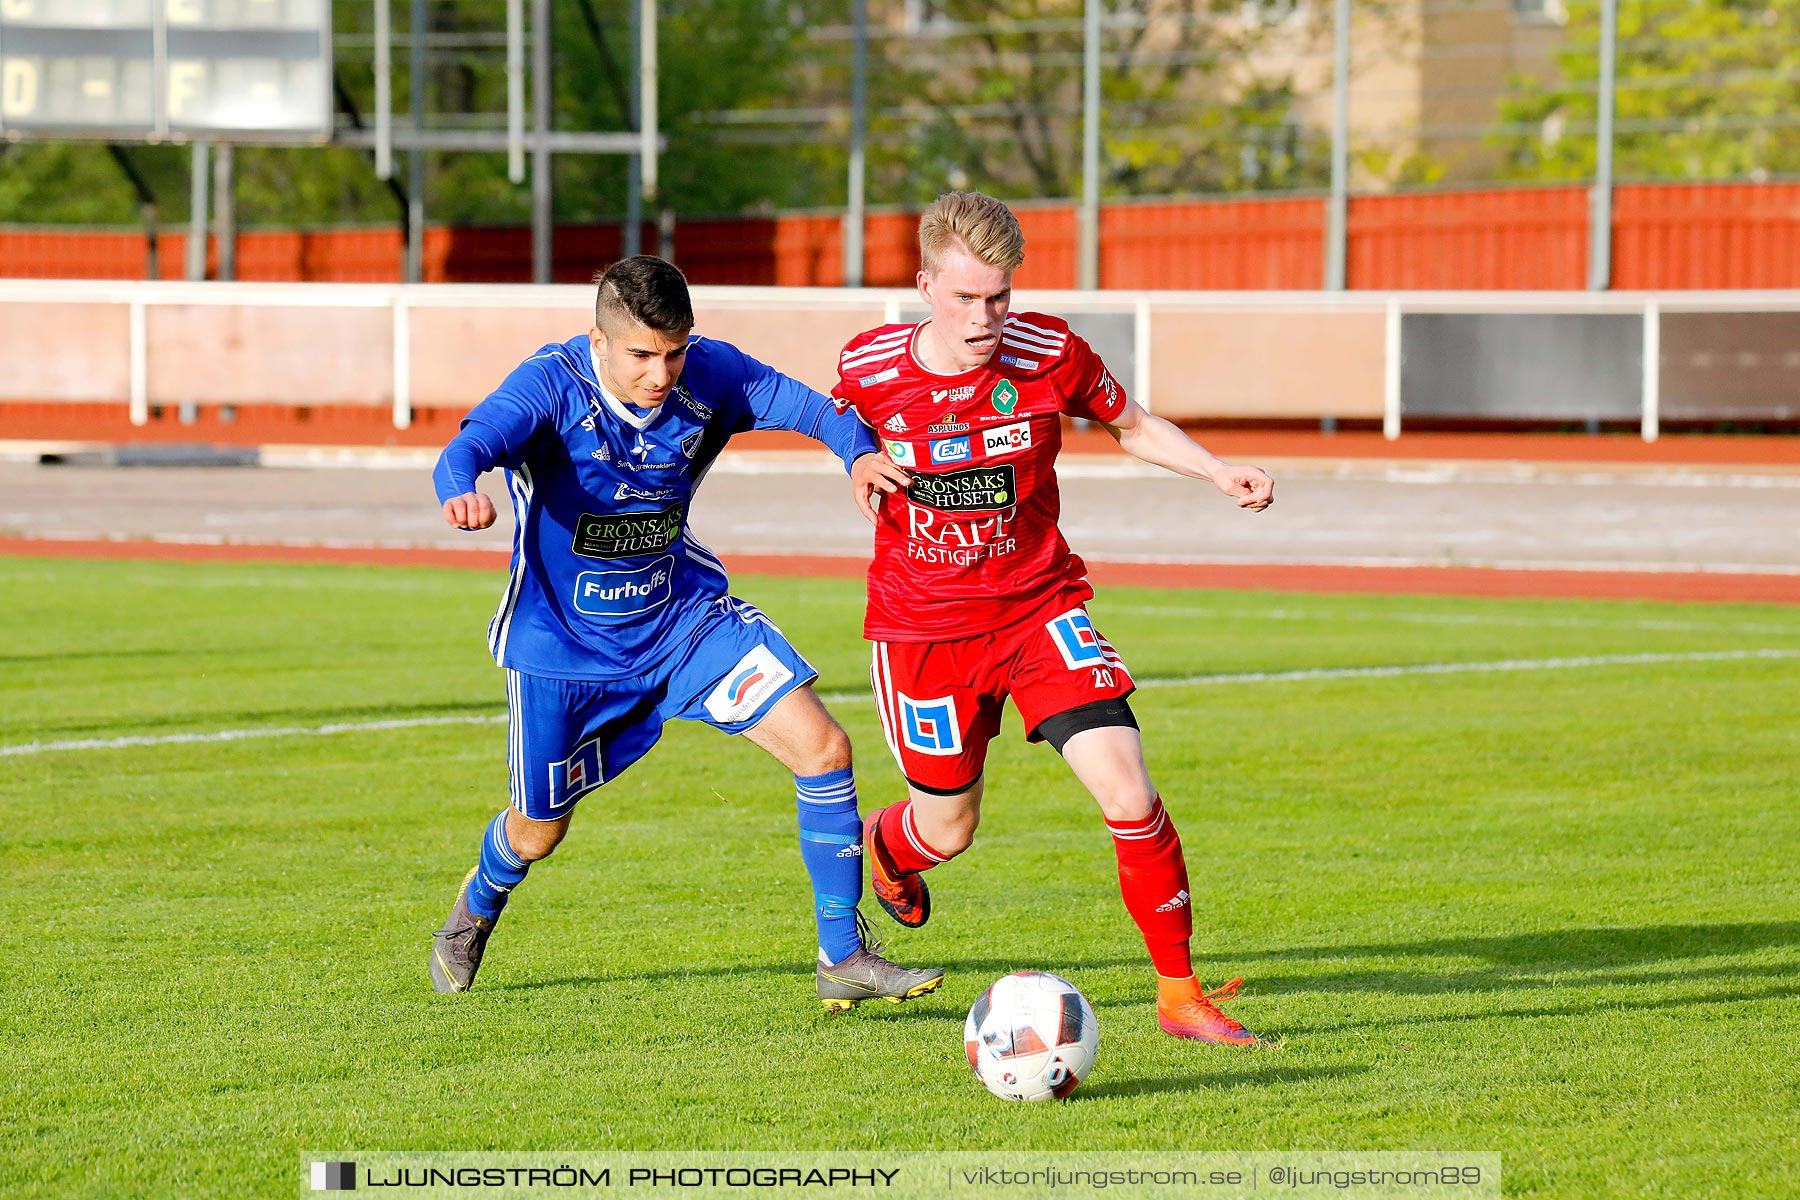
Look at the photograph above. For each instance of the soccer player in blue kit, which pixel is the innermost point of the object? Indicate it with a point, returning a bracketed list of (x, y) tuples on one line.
[(616, 619)]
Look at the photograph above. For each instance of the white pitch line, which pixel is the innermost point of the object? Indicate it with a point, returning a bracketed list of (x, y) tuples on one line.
[(1439, 668)]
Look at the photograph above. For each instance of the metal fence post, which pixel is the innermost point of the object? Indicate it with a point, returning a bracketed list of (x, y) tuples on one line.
[(1600, 214), (1337, 215), (1090, 147)]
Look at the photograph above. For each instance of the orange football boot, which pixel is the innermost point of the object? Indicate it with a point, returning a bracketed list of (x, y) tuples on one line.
[(903, 897), (1186, 1010)]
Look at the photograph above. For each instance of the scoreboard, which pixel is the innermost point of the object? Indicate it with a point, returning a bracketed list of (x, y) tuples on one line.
[(156, 69)]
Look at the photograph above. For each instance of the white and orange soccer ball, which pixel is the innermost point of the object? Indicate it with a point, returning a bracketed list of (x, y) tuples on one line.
[(1032, 1036)]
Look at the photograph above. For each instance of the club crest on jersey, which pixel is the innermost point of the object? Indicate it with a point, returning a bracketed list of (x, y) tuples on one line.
[(691, 443), (576, 775), (930, 726), (747, 687), (900, 452), (948, 424), (1005, 397), (951, 450)]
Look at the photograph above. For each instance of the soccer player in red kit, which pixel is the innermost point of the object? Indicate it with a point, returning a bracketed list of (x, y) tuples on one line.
[(975, 596)]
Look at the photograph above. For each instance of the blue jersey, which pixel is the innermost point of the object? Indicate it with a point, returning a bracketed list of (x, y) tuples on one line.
[(606, 577)]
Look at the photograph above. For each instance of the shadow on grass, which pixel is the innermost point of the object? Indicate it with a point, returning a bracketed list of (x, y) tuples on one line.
[(1597, 956), (987, 970), (1260, 1077)]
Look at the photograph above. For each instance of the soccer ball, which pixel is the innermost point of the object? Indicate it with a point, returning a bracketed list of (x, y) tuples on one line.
[(1031, 1036)]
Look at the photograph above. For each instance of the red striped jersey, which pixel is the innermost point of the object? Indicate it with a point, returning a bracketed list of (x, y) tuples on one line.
[(973, 542)]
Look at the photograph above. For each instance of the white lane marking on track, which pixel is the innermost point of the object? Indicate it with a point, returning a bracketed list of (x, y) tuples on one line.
[(1424, 618), (1439, 668)]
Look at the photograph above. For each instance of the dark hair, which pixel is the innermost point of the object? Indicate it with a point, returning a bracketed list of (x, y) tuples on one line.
[(645, 289)]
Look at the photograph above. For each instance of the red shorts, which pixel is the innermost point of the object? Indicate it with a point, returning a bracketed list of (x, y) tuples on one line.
[(940, 701)]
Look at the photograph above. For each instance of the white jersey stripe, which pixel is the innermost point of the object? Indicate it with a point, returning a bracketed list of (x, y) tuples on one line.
[(897, 338), (498, 629), (870, 360), (1019, 336), (1021, 325), (878, 677)]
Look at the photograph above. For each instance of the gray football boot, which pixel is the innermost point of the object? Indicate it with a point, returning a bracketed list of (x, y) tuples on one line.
[(456, 948), (865, 975)]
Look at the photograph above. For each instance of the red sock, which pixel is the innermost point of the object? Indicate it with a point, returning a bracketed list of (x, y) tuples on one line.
[(1153, 879), (907, 852)]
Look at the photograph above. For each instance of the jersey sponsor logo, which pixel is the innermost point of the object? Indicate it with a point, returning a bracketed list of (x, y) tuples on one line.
[(625, 593), (955, 395), (704, 412), (627, 492), (603, 454), (576, 775), (747, 686), (1005, 397), (879, 377), (1024, 364), (900, 452), (930, 726), (980, 489), (627, 535), (952, 450), (948, 424), (1007, 439), (895, 424), (947, 542)]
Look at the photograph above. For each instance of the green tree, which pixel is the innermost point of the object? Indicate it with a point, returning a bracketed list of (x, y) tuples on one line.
[(1705, 90)]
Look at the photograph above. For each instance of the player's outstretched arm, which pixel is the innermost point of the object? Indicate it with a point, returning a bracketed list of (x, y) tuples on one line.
[(1154, 440)]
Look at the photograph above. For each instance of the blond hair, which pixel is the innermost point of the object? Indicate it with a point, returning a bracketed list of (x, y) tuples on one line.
[(980, 224)]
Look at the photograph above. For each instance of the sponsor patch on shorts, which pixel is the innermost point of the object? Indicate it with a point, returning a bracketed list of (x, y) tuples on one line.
[(930, 726), (746, 687)]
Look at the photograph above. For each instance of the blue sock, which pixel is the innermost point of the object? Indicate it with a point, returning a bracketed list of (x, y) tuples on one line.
[(497, 874), (831, 845)]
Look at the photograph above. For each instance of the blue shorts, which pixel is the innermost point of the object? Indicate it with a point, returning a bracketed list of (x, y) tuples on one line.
[(566, 737)]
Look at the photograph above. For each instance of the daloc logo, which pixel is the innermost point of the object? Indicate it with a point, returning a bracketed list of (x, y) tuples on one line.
[(623, 593)]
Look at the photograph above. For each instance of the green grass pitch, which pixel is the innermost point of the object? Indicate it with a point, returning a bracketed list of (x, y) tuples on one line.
[(1552, 913)]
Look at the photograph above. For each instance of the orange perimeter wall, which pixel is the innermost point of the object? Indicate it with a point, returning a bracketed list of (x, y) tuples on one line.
[(1666, 236)]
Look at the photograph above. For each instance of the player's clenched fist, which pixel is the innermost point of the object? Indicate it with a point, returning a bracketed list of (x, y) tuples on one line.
[(1251, 487), (471, 510)]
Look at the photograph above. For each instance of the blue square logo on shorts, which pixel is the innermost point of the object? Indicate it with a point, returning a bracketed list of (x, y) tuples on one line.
[(1075, 637), (930, 726)]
